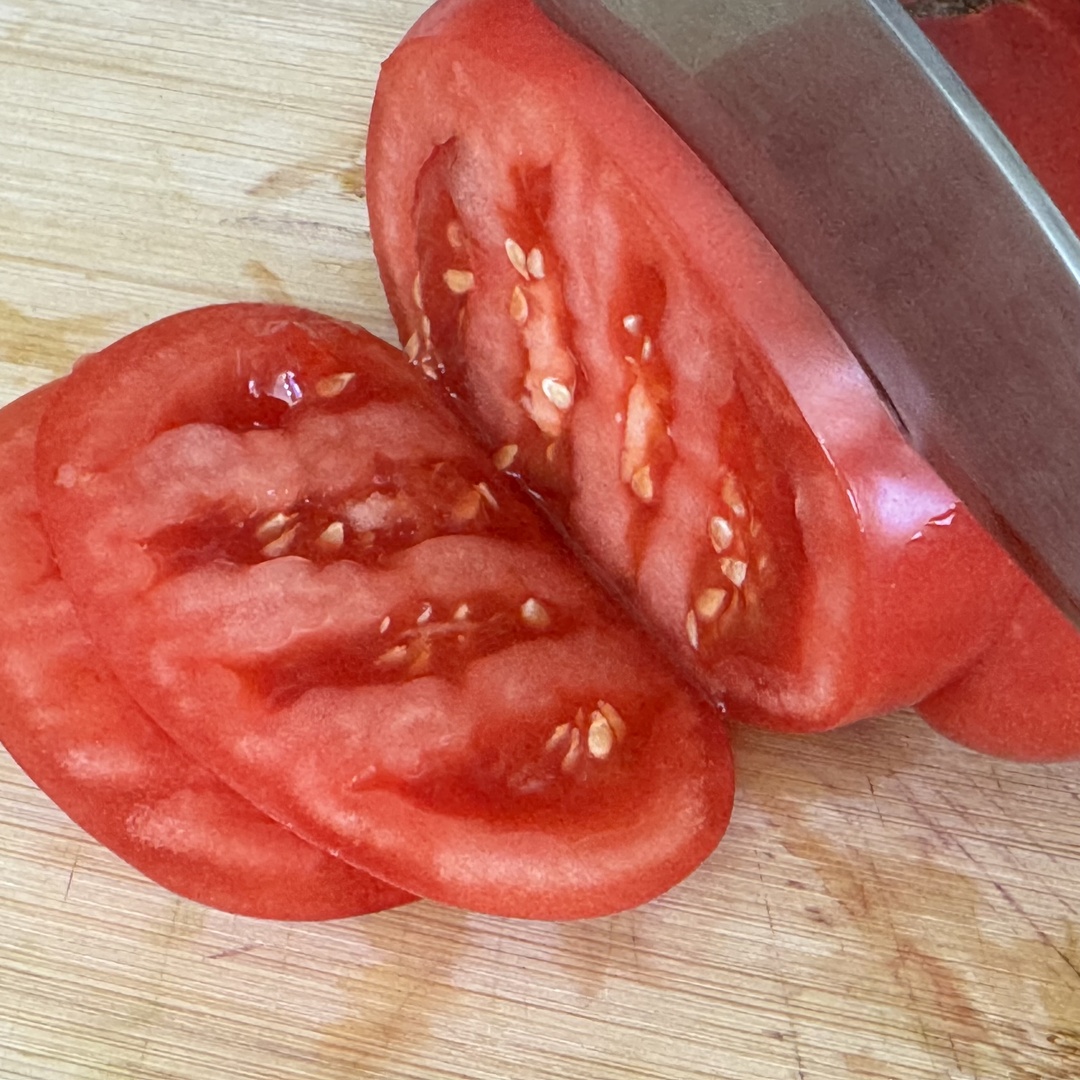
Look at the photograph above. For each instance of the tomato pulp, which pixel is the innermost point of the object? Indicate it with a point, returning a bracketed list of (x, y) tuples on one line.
[(621, 336), (302, 568), (67, 721)]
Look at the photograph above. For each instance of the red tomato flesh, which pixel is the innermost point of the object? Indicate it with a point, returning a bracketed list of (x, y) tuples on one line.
[(88, 746), (305, 571), (625, 341)]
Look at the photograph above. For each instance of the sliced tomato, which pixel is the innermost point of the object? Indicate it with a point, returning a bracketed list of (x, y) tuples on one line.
[(1021, 59), (626, 342), (88, 746), (1021, 698), (304, 570)]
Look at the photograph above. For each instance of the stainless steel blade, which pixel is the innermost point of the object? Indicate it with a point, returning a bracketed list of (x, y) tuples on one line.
[(909, 217)]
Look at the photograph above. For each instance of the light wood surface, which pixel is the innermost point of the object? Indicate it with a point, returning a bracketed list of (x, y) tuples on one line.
[(885, 905)]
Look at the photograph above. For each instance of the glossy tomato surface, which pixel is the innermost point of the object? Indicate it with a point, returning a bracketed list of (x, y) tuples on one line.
[(626, 342), (67, 721), (303, 568), (1021, 698)]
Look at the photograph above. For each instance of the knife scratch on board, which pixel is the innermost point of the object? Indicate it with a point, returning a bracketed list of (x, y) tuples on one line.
[(71, 877), (238, 950)]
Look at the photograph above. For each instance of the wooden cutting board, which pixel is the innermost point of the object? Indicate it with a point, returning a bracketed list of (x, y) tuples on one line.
[(885, 905)]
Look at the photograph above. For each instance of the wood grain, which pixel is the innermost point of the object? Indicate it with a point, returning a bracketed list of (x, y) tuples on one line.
[(885, 905)]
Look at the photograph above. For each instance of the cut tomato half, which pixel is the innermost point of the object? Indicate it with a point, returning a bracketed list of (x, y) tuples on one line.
[(304, 570), (627, 344), (88, 746)]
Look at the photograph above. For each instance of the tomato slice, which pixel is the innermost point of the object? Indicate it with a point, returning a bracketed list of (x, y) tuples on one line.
[(306, 572), (78, 735), (1021, 698), (627, 343)]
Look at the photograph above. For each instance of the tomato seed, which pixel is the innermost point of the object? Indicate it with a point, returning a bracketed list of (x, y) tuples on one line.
[(468, 506), (519, 305), (271, 528), (710, 603), (535, 614), (692, 629), (503, 458), (573, 755), (557, 737), (516, 254), (614, 719), (733, 496), (459, 281), (734, 570), (721, 534), (332, 537), (276, 548), (490, 499), (558, 393), (601, 738), (395, 656), (641, 484), (333, 385)]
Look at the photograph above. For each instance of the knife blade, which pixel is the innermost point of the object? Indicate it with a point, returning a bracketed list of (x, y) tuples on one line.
[(904, 210)]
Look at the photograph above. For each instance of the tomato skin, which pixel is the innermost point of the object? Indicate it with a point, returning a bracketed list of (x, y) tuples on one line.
[(886, 576), (88, 746), (340, 606), (1021, 699)]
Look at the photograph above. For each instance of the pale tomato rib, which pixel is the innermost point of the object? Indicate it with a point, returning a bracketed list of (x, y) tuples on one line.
[(200, 468), (662, 370), (81, 738), (378, 616), (440, 691)]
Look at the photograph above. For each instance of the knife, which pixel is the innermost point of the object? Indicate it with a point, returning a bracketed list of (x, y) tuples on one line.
[(890, 192)]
